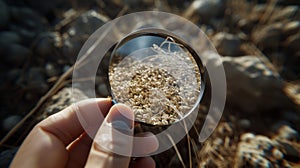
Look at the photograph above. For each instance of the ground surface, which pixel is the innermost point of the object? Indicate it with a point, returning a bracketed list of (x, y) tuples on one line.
[(258, 40)]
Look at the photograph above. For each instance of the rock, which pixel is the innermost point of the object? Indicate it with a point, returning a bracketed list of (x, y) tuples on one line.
[(46, 44), (35, 75), (268, 36), (291, 116), (291, 151), (35, 83), (292, 89), (66, 68), (244, 123), (291, 28), (28, 18), (9, 122), (258, 151), (61, 100), (52, 70), (285, 132), (7, 156), (206, 9), (250, 83), (13, 75), (45, 7), (261, 151), (246, 137), (6, 39), (26, 35), (227, 44), (15, 55), (4, 14), (9, 37), (79, 30), (103, 90), (27, 23), (277, 154)]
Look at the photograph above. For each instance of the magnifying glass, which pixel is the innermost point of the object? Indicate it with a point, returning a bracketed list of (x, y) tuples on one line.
[(157, 74)]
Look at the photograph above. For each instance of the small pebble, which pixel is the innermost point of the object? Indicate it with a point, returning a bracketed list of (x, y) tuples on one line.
[(277, 154), (51, 70), (288, 133), (247, 137), (9, 122), (45, 45), (66, 68), (218, 142), (245, 123)]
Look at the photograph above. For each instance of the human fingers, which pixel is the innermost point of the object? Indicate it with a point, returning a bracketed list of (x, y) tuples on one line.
[(112, 145), (71, 122), (46, 143), (79, 151), (144, 144)]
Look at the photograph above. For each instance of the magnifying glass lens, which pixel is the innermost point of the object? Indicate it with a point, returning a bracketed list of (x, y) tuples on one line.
[(156, 74)]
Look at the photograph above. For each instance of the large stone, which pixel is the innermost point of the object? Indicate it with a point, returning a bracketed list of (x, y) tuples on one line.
[(4, 14), (15, 55), (206, 9), (254, 151), (252, 86), (46, 46), (79, 31), (61, 100), (262, 152)]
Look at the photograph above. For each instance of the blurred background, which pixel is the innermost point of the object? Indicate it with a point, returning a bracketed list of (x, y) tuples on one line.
[(257, 39)]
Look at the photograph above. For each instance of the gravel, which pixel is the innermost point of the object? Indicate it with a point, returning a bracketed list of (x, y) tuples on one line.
[(159, 88)]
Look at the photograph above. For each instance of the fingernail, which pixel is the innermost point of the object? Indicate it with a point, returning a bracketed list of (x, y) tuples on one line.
[(121, 126)]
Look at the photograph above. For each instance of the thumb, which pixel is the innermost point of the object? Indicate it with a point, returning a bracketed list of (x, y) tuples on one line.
[(112, 146)]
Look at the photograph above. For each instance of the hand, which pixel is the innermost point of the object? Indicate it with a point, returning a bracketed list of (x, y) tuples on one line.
[(61, 140)]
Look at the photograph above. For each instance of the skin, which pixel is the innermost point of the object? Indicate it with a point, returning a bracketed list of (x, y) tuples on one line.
[(61, 140)]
